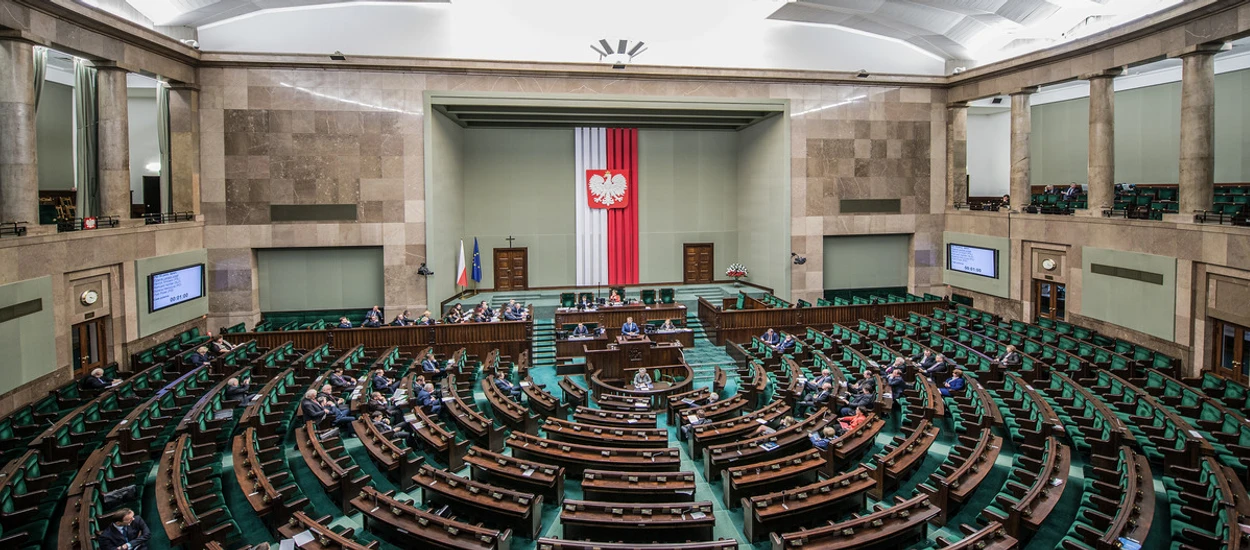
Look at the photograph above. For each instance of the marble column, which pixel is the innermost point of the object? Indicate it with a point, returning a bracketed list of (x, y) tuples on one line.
[(1197, 162), (957, 154), (19, 168), (113, 135), (184, 147), (1021, 127), (1102, 140)]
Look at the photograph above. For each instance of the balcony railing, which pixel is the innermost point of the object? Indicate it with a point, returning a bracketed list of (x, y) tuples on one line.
[(168, 217), (16, 229)]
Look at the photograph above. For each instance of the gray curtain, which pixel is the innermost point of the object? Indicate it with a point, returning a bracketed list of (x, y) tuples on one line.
[(87, 176), (41, 71), (162, 139)]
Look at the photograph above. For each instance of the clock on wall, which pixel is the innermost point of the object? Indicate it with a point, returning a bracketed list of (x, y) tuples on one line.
[(1048, 264), (89, 297)]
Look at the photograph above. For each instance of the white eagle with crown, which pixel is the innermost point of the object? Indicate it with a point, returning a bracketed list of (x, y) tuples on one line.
[(608, 189)]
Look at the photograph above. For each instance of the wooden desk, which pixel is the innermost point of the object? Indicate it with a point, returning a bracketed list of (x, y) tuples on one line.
[(586, 415), (661, 522), (577, 458), (558, 544), (532, 477), (765, 477), (805, 506), (613, 317), (591, 434), (567, 348), (326, 538), (617, 486), (897, 526), (413, 526), (519, 511)]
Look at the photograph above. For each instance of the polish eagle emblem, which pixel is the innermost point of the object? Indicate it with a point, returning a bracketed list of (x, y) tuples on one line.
[(607, 188)]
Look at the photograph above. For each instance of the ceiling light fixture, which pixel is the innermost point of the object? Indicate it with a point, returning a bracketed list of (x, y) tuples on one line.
[(619, 56), (338, 56), (847, 101)]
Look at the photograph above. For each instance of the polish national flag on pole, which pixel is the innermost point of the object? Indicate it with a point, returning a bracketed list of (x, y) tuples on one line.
[(462, 276)]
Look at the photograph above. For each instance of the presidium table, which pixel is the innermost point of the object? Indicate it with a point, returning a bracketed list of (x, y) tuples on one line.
[(612, 317)]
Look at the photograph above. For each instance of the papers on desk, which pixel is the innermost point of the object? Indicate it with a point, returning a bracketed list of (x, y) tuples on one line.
[(630, 421), (527, 473), (299, 540), (769, 446), (223, 414), (761, 420), (286, 544), (641, 405), (525, 384), (688, 401), (692, 418), (448, 398), (410, 418), (697, 515)]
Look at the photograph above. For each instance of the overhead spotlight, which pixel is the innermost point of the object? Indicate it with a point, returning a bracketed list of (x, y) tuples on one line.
[(863, 73), (191, 43), (619, 56), (338, 56), (798, 260), (997, 101), (424, 271)]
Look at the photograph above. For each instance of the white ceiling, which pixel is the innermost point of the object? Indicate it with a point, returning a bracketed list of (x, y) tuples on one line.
[(884, 36)]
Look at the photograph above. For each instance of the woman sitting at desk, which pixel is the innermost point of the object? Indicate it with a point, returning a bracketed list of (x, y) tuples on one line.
[(455, 315), (668, 325), (642, 380), (614, 298)]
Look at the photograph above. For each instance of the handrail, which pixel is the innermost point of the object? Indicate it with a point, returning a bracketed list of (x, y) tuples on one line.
[(168, 217)]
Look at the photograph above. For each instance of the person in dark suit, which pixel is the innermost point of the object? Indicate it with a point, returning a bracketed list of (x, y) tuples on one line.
[(401, 320), (311, 409), (514, 312), (826, 377), (429, 366), (771, 337), (327, 391), (864, 398), (865, 381), (373, 318), (96, 380), (939, 366), (580, 331), (1050, 190), (1071, 193), (896, 382), (199, 358), (785, 345), (341, 381), (378, 403), (508, 388), (630, 327), (1009, 358), (455, 315), (923, 360), (821, 440), (479, 315), (381, 383), (237, 390), (700, 418), (585, 302), (127, 532), (429, 400), (340, 415), (955, 384), (344, 323), (487, 311), (815, 400)]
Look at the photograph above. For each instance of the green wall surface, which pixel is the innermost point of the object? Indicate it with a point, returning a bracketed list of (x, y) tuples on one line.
[(764, 204), (299, 279), (1148, 134), (1060, 132), (688, 193), (996, 287), (29, 341), (868, 261), (1139, 305), (54, 128), (444, 204), (519, 182), (150, 323), (1232, 127)]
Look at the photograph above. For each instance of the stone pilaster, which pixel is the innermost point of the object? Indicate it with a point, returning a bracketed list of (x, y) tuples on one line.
[(19, 168), (1102, 140), (957, 153), (1197, 162), (113, 135), (1021, 127), (184, 148)]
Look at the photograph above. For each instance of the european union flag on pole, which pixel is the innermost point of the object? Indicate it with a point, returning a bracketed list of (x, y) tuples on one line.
[(477, 263)]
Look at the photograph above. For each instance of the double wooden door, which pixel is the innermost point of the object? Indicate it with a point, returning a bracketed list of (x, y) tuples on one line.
[(1050, 300), (1232, 351), (90, 345), (511, 269), (697, 263)]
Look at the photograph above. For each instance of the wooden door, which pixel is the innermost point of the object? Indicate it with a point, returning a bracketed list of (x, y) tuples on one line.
[(1232, 351), (697, 263), (1050, 300), (512, 268), (90, 345)]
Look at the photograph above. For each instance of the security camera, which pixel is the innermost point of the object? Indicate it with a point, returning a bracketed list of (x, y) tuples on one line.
[(190, 43), (798, 260), (862, 74), (424, 271)]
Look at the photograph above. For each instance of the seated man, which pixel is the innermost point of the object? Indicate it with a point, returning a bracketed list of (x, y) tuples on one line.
[(425, 319), (580, 331), (373, 318), (127, 532), (585, 302), (700, 418), (479, 315), (97, 381), (1009, 358), (630, 327), (429, 400), (487, 311), (1072, 192), (923, 360), (429, 366), (383, 423), (401, 320), (939, 366), (377, 403), (865, 380), (344, 323), (327, 391), (237, 390), (826, 377), (816, 400), (508, 388), (668, 325), (864, 398), (200, 357), (785, 345), (341, 417), (955, 384), (341, 381), (771, 337), (311, 408), (896, 382), (381, 383), (642, 380), (821, 441), (514, 312)]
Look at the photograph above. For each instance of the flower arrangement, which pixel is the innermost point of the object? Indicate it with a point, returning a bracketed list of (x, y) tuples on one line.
[(736, 271)]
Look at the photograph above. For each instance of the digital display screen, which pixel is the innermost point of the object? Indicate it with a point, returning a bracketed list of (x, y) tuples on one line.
[(176, 286), (973, 260)]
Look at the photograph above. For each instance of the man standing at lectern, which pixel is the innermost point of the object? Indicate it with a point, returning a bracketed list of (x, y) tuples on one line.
[(630, 328)]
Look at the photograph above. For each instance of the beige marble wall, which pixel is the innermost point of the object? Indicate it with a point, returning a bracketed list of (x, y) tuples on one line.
[(341, 136)]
